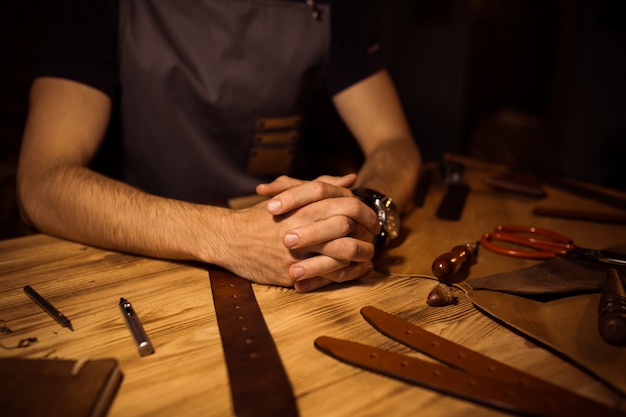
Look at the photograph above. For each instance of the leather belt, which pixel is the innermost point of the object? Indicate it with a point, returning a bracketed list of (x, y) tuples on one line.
[(471, 375), (259, 384)]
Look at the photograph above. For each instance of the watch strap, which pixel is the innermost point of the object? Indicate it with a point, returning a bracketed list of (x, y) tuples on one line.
[(370, 197), (259, 384)]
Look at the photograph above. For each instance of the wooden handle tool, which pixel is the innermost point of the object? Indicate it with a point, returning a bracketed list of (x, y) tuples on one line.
[(448, 264), (612, 310)]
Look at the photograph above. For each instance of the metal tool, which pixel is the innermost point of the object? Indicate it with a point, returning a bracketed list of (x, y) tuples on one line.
[(612, 310), (470, 375), (47, 307), (449, 264), (141, 338), (543, 244)]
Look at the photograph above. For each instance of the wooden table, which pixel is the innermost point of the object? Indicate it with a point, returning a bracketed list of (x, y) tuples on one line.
[(187, 375)]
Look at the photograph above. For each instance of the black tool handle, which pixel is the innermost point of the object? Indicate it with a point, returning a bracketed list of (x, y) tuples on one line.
[(453, 202), (612, 310)]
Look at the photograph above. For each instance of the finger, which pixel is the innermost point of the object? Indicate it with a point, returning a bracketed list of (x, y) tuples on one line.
[(349, 273), (348, 207), (331, 257), (345, 181), (347, 249), (285, 182), (324, 231), (279, 185), (311, 284), (305, 193), (363, 234), (320, 232), (341, 251), (315, 266)]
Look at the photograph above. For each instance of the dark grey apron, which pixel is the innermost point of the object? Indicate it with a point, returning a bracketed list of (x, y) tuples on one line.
[(212, 91)]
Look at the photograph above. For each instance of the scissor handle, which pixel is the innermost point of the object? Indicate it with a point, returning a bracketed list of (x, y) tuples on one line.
[(546, 246), (556, 237)]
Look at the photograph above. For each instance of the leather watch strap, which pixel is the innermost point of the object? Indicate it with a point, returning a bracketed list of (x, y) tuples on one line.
[(258, 381)]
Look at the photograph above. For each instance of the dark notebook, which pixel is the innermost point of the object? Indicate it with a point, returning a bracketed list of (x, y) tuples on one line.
[(54, 387)]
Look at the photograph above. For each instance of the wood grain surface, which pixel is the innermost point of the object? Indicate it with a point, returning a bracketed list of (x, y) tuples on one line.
[(186, 376)]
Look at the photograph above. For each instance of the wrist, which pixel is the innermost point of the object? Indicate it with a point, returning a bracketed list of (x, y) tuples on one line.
[(386, 211)]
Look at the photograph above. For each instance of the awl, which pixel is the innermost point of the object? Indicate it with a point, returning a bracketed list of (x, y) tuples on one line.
[(447, 265)]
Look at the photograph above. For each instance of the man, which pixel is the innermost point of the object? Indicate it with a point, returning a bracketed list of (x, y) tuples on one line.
[(194, 82)]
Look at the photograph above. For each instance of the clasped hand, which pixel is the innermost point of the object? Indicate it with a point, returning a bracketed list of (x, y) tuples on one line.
[(330, 233)]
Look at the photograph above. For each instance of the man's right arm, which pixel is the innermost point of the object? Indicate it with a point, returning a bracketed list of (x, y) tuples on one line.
[(60, 195)]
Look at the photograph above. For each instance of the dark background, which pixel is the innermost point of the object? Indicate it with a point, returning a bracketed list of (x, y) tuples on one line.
[(539, 85)]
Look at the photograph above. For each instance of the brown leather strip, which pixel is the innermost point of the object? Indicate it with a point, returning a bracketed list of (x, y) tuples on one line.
[(444, 350), (288, 137), (468, 360), (258, 381), (287, 122), (270, 161), (481, 390)]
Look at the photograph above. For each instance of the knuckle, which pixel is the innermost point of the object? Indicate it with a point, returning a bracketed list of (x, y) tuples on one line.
[(343, 263), (346, 225), (318, 187), (369, 251), (349, 250), (362, 250), (340, 275)]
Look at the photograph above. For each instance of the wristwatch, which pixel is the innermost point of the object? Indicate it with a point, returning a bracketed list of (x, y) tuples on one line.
[(385, 209)]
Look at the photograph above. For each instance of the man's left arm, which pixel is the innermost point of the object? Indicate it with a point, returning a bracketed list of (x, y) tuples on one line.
[(371, 109)]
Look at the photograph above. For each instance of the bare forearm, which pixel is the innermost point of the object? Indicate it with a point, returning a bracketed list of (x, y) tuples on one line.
[(392, 168), (79, 204), (372, 111)]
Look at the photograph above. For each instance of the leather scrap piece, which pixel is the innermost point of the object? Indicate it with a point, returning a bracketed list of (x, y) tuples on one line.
[(555, 304)]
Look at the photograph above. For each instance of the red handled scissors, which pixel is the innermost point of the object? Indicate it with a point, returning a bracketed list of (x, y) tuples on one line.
[(543, 244)]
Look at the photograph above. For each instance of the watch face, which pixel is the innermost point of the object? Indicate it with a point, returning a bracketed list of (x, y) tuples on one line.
[(393, 219), (386, 210)]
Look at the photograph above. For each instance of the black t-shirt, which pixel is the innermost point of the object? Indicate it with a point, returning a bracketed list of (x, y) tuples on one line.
[(81, 44), (85, 43)]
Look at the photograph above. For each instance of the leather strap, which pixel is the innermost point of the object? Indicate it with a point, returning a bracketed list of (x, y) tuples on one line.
[(258, 381), (471, 376)]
